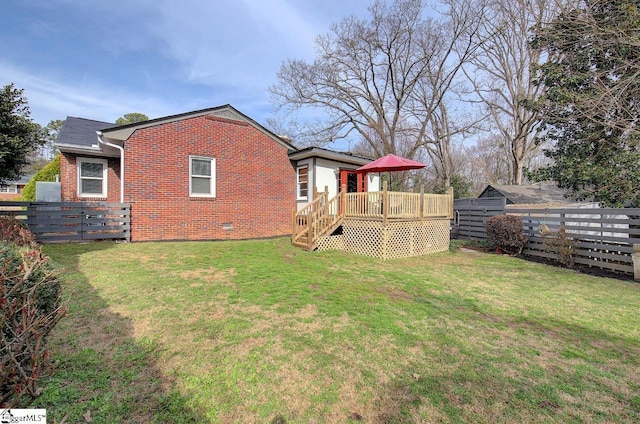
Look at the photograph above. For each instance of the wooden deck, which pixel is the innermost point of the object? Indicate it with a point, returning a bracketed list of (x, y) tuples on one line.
[(389, 210)]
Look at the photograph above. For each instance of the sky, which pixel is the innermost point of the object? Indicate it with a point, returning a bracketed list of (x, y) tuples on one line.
[(100, 59)]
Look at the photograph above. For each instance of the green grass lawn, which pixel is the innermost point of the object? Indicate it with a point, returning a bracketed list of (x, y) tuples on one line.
[(259, 331)]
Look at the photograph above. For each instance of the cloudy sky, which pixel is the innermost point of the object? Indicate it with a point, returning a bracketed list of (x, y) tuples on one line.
[(100, 59)]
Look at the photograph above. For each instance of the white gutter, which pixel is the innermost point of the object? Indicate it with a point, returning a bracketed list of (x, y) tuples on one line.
[(101, 141)]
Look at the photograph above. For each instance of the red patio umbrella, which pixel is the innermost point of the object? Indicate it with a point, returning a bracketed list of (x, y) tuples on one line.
[(390, 163)]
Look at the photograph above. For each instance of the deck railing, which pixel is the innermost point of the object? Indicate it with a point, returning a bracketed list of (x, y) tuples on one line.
[(323, 215), (397, 205), (316, 219)]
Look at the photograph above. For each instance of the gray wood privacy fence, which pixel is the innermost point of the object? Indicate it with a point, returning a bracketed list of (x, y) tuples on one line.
[(72, 221), (470, 217), (601, 237)]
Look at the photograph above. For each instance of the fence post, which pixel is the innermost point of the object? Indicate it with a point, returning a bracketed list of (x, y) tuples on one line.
[(450, 193), (636, 262), (30, 211)]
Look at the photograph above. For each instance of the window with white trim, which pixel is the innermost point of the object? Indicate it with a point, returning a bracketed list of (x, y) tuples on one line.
[(11, 189), (92, 177), (303, 182), (202, 176)]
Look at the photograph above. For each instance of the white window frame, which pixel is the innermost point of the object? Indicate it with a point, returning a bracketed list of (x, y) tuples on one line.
[(298, 188), (9, 188), (105, 172), (212, 183)]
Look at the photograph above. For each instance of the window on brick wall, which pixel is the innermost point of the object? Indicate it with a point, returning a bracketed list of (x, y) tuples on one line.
[(202, 176), (11, 189), (92, 177), (303, 182)]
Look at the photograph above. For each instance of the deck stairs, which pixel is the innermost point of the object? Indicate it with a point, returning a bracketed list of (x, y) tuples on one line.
[(319, 218)]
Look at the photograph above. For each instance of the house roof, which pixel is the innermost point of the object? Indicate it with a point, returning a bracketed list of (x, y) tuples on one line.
[(80, 133), (123, 132), (527, 194), (328, 154), (20, 181)]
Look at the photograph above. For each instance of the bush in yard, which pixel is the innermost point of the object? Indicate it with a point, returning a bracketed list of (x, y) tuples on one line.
[(13, 231), (505, 232), (30, 307), (48, 173), (562, 245)]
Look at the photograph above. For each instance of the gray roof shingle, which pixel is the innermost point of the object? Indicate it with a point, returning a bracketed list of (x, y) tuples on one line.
[(81, 132), (527, 194)]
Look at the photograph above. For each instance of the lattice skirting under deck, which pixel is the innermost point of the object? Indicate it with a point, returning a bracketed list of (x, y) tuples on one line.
[(398, 239)]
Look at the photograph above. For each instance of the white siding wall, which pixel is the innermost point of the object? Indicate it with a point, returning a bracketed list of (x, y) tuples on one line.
[(326, 176), (309, 162), (323, 175), (373, 182)]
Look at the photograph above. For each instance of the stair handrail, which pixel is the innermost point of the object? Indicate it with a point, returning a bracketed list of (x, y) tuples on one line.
[(317, 218), (327, 217)]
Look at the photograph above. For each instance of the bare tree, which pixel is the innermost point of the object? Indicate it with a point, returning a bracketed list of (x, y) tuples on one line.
[(501, 73), (441, 102), (361, 78), (488, 161), (386, 78)]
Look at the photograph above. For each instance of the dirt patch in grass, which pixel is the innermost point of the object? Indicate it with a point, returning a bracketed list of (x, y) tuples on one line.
[(209, 275), (154, 258), (394, 293)]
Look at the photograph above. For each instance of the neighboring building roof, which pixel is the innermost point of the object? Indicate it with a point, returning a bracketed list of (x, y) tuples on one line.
[(328, 154), (80, 133), (21, 181), (527, 194)]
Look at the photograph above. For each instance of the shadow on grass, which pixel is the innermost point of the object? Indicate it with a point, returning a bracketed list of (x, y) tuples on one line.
[(102, 373), (540, 370)]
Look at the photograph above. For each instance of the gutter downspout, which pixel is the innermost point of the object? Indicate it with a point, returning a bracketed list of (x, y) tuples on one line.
[(101, 141)]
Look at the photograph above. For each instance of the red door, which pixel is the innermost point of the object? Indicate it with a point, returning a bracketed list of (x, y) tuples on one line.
[(356, 182)]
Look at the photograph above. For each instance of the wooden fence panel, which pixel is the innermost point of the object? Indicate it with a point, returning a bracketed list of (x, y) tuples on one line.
[(603, 238), (470, 217), (14, 209), (72, 221)]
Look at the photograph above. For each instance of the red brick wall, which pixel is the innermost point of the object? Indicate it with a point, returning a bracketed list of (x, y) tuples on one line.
[(11, 197), (255, 182), (69, 180)]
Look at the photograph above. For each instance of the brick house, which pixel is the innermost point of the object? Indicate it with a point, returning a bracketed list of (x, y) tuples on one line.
[(12, 190), (203, 175)]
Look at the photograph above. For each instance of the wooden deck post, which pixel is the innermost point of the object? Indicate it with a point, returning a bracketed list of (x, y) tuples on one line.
[(421, 201), (294, 227), (310, 230), (385, 203), (450, 193), (343, 199)]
